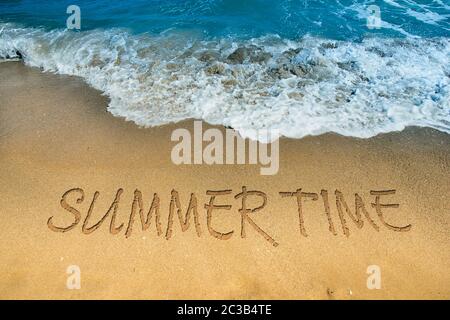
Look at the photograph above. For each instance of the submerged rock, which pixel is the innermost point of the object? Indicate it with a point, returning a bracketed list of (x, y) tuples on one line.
[(217, 68), (291, 53), (209, 56), (19, 55), (279, 72), (287, 70), (16, 55), (260, 57), (238, 56), (229, 82), (253, 53), (329, 45)]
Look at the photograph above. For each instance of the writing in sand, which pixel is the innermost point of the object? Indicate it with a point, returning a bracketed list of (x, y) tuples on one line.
[(359, 215)]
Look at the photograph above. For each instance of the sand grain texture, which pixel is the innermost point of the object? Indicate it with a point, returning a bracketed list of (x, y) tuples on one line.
[(55, 134)]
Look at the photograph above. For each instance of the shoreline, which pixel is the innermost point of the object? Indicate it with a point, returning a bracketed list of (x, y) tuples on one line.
[(56, 135), (336, 83)]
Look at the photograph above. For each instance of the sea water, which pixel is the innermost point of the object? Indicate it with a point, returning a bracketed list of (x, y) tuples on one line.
[(302, 67)]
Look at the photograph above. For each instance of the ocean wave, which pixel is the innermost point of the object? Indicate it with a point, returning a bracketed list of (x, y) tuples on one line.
[(305, 87)]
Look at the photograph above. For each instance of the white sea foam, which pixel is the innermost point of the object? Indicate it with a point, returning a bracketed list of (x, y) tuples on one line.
[(304, 87), (427, 17)]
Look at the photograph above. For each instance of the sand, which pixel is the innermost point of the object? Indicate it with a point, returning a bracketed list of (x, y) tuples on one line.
[(56, 135)]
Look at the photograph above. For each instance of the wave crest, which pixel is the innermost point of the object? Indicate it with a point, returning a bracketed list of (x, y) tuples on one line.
[(304, 87)]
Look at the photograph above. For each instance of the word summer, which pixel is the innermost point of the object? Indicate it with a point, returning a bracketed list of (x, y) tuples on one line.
[(215, 203)]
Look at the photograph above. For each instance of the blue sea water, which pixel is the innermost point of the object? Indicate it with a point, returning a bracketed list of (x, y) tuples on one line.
[(239, 18), (301, 66)]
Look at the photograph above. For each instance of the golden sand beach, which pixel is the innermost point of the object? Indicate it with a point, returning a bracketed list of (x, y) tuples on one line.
[(56, 138)]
